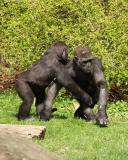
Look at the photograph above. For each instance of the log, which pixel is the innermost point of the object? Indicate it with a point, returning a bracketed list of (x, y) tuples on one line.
[(29, 131)]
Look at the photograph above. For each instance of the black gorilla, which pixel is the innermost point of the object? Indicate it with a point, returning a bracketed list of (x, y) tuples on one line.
[(87, 72), (32, 83)]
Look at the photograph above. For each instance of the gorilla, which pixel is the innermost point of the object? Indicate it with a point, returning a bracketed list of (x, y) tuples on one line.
[(87, 72), (32, 83)]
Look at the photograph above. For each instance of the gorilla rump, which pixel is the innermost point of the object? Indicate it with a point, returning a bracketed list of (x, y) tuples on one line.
[(32, 83), (87, 72)]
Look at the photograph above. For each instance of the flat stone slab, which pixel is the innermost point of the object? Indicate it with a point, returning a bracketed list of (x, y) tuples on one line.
[(15, 146), (29, 131)]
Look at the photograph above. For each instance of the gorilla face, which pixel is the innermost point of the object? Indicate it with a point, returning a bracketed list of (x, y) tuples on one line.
[(84, 64)]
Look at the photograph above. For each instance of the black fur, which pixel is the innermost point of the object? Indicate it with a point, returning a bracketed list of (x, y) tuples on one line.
[(32, 83)]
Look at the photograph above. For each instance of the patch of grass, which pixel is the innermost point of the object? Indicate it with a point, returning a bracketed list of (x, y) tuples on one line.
[(76, 139)]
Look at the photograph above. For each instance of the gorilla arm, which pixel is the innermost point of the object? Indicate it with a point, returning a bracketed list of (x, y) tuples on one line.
[(51, 94), (100, 81), (64, 78)]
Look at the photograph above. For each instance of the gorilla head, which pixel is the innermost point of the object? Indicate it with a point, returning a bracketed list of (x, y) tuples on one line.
[(83, 59), (61, 51)]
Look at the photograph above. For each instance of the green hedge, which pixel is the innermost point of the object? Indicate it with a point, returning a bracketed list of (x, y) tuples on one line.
[(30, 26)]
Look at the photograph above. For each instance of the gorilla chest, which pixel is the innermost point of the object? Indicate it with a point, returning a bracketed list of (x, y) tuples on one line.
[(85, 81)]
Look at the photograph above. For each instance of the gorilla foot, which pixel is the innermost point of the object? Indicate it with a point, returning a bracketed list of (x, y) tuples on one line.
[(88, 115), (45, 115), (102, 120)]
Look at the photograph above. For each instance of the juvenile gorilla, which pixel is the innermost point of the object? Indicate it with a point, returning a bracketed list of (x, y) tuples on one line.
[(87, 72), (33, 82)]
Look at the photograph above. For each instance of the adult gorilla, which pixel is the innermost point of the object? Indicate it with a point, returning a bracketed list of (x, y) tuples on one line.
[(32, 83), (87, 72)]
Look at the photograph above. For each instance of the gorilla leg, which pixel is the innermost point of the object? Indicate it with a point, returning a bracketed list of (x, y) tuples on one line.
[(39, 104), (27, 96), (45, 114), (39, 93), (84, 112)]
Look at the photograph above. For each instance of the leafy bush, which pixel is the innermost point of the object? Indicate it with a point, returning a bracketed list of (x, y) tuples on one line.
[(118, 110), (29, 27)]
